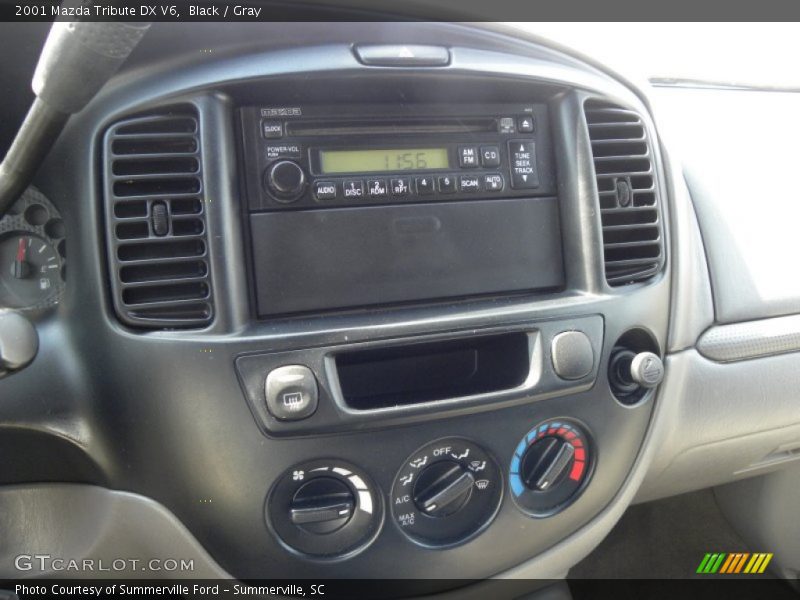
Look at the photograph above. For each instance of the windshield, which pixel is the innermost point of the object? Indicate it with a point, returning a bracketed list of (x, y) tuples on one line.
[(740, 54)]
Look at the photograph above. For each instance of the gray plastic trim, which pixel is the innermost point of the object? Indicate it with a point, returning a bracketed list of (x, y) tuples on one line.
[(763, 510), (753, 339), (723, 422), (86, 522)]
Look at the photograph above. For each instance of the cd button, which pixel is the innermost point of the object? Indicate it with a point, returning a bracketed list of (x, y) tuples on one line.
[(324, 190), (376, 188), (353, 188), (400, 187), (469, 183), (490, 156), (447, 184), (493, 182), (468, 157), (424, 185)]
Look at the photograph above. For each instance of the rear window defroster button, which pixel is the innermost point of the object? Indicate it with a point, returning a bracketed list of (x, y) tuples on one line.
[(291, 392)]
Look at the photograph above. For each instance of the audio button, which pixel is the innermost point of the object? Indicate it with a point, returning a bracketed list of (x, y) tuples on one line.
[(324, 190)]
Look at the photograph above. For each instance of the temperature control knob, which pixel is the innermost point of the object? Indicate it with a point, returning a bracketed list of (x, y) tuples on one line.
[(286, 180), (550, 467), (446, 492), (545, 461)]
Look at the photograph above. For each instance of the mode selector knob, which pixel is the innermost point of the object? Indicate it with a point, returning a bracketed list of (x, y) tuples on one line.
[(443, 488), (285, 180)]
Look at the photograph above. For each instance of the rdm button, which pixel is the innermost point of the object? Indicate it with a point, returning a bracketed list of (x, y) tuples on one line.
[(291, 392)]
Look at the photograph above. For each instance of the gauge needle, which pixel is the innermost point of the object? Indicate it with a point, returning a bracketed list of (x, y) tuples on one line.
[(20, 266)]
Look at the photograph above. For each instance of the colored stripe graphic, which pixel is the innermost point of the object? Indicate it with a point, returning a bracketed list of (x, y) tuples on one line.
[(734, 563), (740, 563), (727, 564), (711, 562)]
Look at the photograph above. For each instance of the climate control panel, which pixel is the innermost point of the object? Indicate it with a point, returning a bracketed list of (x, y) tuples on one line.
[(446, 492)]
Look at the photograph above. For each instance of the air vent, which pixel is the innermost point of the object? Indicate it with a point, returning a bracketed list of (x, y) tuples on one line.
[(632, 235), (157, 223)]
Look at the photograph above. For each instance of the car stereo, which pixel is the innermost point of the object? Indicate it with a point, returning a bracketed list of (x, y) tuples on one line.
[(353, 206)]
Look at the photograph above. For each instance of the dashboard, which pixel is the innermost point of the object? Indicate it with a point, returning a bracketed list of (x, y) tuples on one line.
[(391, 302)]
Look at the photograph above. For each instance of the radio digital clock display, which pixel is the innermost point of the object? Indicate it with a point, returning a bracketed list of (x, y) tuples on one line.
[(393, 159)]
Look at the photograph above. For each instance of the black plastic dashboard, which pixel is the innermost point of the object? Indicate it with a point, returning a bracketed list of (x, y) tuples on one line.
[(171, 404)]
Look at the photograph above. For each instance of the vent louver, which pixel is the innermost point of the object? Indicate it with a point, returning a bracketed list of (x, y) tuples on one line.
[(632, 240), (156, 221)]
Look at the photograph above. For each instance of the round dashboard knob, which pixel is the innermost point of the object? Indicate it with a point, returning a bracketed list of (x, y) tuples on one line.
[(551, 466), (443, 488), (325, 508), (286, 180), (647, 369), (545, 462), (446, 492), (322, 506)]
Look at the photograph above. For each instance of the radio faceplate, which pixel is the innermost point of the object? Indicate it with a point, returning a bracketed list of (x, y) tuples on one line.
[(318, 157)]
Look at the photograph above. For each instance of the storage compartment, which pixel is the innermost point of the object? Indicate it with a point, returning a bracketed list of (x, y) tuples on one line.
[(428, 372), (335, 258)]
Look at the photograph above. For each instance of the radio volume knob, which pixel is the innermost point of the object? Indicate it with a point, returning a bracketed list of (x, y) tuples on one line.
[(285, 180)]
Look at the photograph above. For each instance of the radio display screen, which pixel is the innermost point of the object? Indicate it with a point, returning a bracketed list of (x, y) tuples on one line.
[(393, 159)]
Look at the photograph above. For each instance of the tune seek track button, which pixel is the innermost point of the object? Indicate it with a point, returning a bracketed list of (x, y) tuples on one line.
[(523, 164)]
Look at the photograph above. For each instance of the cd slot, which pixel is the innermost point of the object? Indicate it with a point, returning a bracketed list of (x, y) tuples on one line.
[(391, 127)]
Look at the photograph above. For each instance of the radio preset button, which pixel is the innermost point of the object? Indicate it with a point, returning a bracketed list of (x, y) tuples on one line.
[(469, 183), (525, 124), (493, 182), (376, 188), (400, 186), (424, 185), (271, 129), (490, 156), (447, 184), (324, 190), (353, 188), (468, 157), (523, 164)]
